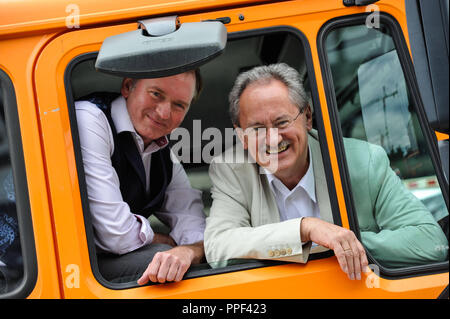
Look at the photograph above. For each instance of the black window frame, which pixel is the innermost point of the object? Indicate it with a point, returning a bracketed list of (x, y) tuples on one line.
[(430, 138), (201, 271), (26, 233)]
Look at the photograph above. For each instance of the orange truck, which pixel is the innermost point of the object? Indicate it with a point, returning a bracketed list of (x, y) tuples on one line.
[(347, 51)]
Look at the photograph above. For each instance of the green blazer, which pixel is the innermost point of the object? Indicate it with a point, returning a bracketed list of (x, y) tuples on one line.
[(244, 219)]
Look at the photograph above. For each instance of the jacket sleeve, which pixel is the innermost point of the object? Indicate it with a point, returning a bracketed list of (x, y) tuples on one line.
[(408, 234), (230, 233)]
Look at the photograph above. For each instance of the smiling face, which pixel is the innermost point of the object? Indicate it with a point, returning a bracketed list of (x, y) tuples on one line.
[(157, 106), (262, 105)]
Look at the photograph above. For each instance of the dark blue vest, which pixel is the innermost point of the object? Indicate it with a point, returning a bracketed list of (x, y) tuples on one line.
[(127, 162)]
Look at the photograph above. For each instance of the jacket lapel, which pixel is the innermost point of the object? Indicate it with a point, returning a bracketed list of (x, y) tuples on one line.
[(321, 187), (322, 195), (268, 203)]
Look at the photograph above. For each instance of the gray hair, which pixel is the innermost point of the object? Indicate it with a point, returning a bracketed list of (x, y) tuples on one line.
[(263, 74)]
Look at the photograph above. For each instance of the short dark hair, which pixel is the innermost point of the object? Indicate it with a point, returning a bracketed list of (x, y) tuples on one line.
[(198, 83)]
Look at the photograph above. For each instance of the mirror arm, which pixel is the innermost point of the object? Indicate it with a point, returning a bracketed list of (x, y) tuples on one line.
[(159, 26)]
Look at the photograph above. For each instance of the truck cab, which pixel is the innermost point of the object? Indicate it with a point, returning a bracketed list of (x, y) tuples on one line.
[(373, 70)]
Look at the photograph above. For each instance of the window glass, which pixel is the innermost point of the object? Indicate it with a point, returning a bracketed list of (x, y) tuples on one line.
[(207, 129), (11, 264), (375, 105)]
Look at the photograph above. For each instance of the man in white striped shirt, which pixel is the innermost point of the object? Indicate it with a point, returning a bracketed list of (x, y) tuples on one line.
[(129, 176)]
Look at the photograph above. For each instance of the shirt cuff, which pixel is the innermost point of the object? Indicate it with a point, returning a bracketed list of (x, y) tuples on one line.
[(146, 233)]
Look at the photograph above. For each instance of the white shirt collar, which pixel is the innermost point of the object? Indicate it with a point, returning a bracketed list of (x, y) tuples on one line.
[(122, 122), (120, 116), (307, 182)]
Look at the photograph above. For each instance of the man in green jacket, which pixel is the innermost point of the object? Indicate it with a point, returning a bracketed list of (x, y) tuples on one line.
[(273, 203)]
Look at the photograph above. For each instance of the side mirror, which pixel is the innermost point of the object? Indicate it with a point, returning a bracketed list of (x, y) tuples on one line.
[(166, 51), (428, 34)]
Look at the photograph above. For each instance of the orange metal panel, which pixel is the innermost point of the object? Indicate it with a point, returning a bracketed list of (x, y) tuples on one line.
[(17, 58), (323, 278), (31, 16), (61, 167), (441, 136)]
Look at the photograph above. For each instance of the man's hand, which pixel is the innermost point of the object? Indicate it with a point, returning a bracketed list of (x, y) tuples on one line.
[(163, 239), (171, 265), (347, 248)]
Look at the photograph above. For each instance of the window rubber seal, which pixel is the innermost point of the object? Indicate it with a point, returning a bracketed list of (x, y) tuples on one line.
[(23, 208)]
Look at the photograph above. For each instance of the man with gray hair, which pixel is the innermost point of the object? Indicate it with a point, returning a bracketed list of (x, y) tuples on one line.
[(275, 205)]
